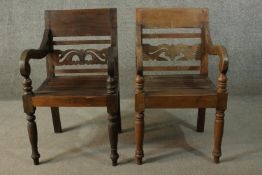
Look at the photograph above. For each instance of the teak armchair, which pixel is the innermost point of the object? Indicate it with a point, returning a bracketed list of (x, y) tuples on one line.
[(179, 90), (88, 90)]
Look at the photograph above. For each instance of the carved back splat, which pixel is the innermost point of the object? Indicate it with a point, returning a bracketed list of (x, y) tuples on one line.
[(81, 23), (165, 52), (171, 18), (80, 57)]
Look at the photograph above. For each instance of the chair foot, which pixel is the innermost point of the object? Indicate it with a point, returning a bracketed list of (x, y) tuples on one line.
[(36, 161), (200, 130), (216, 159), (139, 161), (114, 158)]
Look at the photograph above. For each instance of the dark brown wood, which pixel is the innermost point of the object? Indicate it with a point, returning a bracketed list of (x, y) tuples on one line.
[(178, 91), (93, 70), (87, 90), (56, 119), (32, 133), (78, 23), (77, 42), (81, 57), (201, 119)]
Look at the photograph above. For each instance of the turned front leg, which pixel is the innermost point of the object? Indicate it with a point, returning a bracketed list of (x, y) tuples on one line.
[(113, 125), (32, 133), (113, 136), (218, 134), (139, 134)]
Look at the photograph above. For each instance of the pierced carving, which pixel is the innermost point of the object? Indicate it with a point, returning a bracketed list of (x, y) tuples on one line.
[(80, 57), (165, 52)]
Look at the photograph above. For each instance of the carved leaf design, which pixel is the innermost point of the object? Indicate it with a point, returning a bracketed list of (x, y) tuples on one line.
[(75, 57), (165, 52)]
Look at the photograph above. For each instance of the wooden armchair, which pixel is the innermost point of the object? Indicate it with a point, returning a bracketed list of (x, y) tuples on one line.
[(96, 88), (178, 90)]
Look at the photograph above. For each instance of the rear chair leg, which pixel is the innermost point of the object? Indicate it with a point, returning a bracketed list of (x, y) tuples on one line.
[(201, 119), (119, 114), (56, 119), (32, 133)]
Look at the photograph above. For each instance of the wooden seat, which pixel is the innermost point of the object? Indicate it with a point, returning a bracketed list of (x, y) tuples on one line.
[(78, 91), (183, 89), (177, 89), (96, 86)]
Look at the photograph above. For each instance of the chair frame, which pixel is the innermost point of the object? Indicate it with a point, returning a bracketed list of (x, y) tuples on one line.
[(85, 26), (179, 18)]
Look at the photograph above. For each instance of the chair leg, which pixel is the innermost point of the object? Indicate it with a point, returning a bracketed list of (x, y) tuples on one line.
[(119, 114), (201, 119), (56, 119), (218, 134), (32, 133), (113, 136), (139, 134)]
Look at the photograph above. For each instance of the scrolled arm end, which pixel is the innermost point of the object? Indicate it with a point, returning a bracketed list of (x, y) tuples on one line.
[(26, 56), (222, 53)]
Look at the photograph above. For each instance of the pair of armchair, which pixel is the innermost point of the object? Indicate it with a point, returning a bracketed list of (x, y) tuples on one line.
[(100, 86)]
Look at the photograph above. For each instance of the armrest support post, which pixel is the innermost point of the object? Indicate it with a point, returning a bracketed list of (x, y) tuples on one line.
[(223, 66), (111, 79), (28, 54)]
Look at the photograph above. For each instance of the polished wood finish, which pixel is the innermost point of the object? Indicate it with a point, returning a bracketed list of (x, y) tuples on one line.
[(87, 90), (178, 90)]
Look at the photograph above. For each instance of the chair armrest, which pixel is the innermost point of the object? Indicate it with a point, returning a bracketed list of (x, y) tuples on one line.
[(222, 53), (25, 70), (40, 53)]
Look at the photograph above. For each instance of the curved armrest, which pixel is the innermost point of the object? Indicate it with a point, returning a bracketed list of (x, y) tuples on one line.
[(222, 53), (28, 54)]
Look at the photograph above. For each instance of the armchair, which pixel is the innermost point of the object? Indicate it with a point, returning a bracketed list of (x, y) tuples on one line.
[(98, 87), (184, 90)]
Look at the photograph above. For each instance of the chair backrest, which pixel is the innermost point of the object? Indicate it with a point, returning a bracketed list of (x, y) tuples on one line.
[(175, 19), (80, 27)]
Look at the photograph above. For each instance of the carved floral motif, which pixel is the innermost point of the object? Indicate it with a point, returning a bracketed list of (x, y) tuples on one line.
[(165, 52), (75, 57)]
